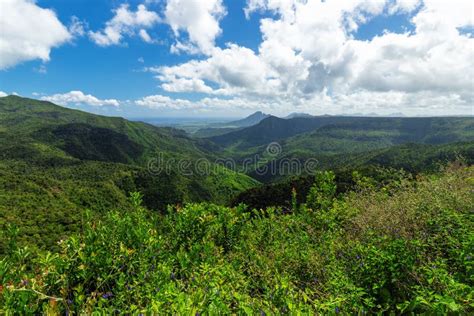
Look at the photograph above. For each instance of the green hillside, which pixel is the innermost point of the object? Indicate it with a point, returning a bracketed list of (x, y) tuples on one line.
[(335, 142), (57, 162), (402, 159), (331, 132)]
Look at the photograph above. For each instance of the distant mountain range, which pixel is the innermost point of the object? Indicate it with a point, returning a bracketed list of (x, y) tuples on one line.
[(429, 130), (333, 140), (217, 129), (223, 128), (296, 114), (250, 120)]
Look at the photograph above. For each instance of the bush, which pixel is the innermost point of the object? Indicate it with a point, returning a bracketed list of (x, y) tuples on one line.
[(398, 249)]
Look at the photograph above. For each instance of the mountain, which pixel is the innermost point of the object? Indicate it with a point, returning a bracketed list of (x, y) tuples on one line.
[(429, 130), (268, 130), (296, 114), (56, 162), (250, 120), (331, 141), (212, 131), (225, 128), (413, 158)]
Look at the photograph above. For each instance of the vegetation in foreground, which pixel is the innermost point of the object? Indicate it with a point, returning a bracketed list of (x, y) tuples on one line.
[(404, 246)]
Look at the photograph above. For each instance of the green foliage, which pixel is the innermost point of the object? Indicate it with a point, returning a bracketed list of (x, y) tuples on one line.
[(57, 162), (338, 134), (323, 191), (405, 248), (294, 200)]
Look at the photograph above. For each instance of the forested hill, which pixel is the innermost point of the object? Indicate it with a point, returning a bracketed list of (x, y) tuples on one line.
[(56, 162), (42, 121), (429, 130)]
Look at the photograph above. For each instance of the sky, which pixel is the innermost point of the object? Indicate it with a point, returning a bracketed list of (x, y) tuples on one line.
[(229, 58)]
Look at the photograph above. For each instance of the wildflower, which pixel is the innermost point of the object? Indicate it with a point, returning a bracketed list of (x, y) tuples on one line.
[(107, 295), (262, 313), (337, 310), (24, 282), (172, 276)]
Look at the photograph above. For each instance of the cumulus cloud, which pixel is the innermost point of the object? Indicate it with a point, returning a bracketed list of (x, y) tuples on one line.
[(161, 101), (28, 32), (164, 102), (126, 22), (3, 94), (199, 19), (79, 98), (310, 54), (234, 69), (424, 103)]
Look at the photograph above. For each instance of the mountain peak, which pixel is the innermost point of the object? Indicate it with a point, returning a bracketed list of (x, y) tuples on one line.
[(297, 114), (250, 120)]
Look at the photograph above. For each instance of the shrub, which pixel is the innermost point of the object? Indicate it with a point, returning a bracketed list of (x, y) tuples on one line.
[(403, 249)]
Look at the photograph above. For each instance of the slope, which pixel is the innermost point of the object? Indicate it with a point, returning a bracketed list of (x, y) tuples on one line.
[(56, 162), (399, 130)]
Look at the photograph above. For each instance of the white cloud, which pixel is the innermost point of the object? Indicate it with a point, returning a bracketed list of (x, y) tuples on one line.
[(77, 27), (160, 101), (200, 19), (28, 32), (3, 94), (361, 101), (165, 102), (404, 6), (125, 22), (145, 36), (234, 69), (309, 55), (79, 98)]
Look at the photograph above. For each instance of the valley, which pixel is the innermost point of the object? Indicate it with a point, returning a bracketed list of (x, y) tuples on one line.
[(117, 185)]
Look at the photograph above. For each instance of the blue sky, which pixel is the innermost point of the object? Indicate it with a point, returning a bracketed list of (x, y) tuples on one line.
[(264, 68)]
